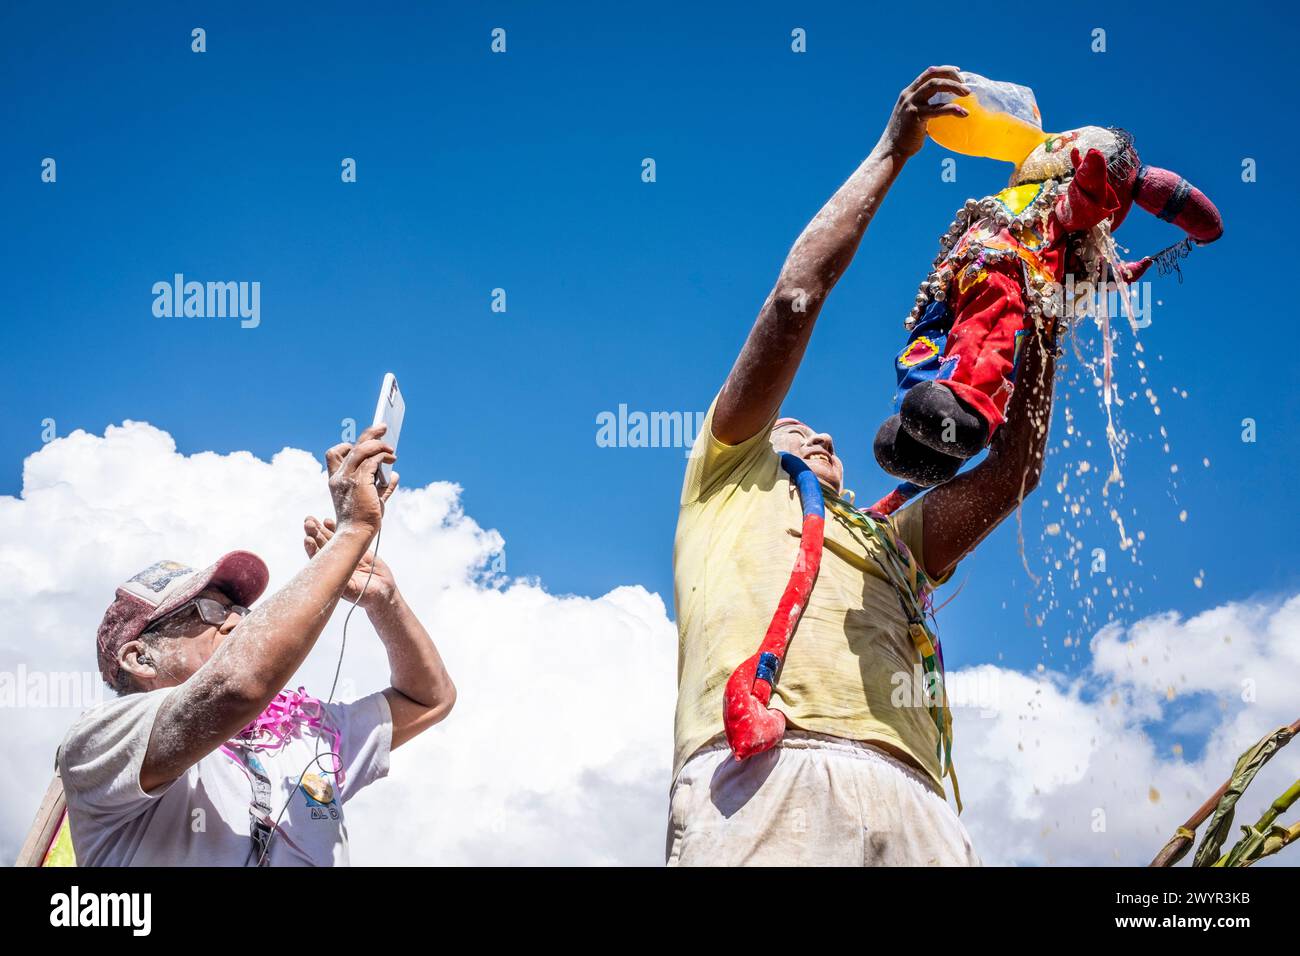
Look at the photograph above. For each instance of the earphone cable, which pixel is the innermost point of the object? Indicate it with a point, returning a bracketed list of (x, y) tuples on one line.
[(338, 669)]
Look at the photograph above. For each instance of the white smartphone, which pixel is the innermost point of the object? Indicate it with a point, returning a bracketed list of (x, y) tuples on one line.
[(390, 411)]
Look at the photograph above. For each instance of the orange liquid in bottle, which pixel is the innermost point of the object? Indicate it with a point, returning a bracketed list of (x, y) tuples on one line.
[(985, 133)]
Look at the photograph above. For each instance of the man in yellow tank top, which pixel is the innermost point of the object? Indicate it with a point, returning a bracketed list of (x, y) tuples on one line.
[(857, 778)]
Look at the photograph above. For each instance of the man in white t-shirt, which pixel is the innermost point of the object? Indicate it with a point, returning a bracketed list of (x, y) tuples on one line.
[(204, 759)]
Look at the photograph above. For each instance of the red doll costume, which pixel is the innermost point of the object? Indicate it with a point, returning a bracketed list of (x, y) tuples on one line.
[(999, 273)]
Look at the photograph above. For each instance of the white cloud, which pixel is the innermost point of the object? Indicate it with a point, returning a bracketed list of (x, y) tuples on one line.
[(1054, 759), (559, 748)]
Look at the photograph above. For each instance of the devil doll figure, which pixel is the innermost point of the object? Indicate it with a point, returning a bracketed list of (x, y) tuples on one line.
[(999, 275)]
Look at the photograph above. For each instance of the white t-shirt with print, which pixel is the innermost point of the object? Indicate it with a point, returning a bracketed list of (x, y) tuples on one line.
[(202, 817)]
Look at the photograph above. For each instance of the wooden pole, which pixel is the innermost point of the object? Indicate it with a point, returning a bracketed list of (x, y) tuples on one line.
[(48, 818), (1175, 849)]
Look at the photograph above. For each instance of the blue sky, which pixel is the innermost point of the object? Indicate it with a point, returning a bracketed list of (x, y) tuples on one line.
[(522, 171)]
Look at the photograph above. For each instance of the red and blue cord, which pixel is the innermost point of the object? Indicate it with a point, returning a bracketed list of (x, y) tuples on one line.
[(751, 726)]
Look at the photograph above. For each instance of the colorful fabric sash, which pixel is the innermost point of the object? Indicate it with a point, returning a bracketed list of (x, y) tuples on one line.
[(913, 587)]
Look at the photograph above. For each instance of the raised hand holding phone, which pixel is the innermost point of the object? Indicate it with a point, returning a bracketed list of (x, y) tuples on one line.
[(353, 471)]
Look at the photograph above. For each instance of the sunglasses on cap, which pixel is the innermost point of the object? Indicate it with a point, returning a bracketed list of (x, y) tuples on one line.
[(211, 611)]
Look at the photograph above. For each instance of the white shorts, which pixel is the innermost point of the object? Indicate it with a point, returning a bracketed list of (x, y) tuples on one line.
[(812, 801)]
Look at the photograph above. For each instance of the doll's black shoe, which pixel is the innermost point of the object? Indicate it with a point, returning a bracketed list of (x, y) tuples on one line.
[(934, 416), (904, 457)]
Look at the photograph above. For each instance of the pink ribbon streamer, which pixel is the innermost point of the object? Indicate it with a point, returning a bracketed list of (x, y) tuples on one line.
[(284, 719)]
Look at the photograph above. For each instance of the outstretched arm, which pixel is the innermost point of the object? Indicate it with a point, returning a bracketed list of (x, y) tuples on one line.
[(961, 513), (761, 377)]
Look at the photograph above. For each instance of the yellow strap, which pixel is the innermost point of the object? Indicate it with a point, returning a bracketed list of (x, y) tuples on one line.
[(1185, 833), (921, 640), (956, 790)]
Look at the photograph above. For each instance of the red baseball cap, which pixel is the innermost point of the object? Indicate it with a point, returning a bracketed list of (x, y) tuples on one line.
[(163, 587)]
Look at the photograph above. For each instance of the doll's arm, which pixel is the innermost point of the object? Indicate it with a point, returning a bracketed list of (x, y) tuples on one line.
[(1089, 198), (1135, 270)]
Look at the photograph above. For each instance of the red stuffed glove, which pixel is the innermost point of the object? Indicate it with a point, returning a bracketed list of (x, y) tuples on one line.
[(1089, 198), (1134, 270)]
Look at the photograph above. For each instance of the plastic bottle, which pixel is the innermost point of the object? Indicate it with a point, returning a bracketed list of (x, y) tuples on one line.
[(1003, 121)]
